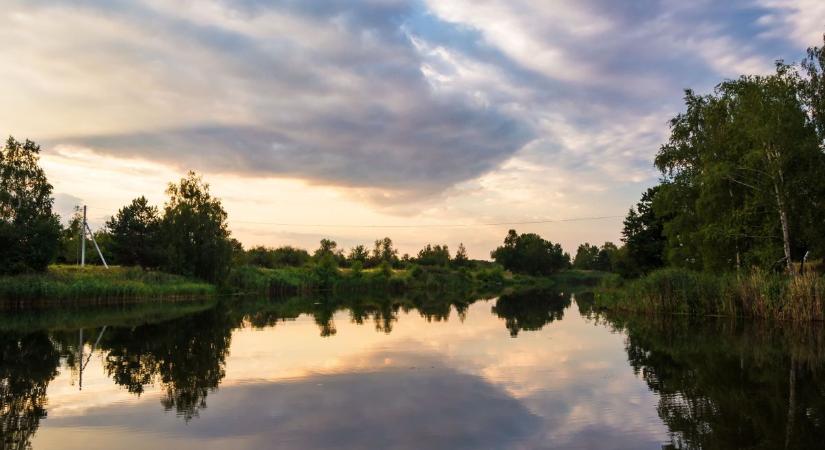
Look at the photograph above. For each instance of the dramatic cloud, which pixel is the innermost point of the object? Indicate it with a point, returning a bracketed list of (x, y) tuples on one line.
[(402, 102)]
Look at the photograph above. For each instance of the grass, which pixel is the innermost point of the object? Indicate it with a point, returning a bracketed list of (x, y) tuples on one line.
[(94, 282), (307, 280), (758, 294)]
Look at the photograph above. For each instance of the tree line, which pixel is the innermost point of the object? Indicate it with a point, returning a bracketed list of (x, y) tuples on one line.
[(742, 178)]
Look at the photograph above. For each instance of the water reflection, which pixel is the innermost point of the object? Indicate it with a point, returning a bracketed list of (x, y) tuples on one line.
[(27, 364), (531, 310), (730, 384), (376, 372)]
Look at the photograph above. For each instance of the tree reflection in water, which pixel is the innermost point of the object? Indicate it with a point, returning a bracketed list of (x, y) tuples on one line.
[(185, 356), (531, 310), (720, 383), (727, 384), (28, 362)]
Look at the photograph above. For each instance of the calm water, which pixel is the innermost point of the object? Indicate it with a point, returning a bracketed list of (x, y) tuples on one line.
[(533, 370)]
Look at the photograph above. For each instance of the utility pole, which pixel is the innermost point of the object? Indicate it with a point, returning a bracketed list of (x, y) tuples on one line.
[(83, 239), (85, 229)]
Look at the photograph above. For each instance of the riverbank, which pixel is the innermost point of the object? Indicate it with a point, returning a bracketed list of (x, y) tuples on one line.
[(66, 283), (306, 280), (756, 295), (93, 282)]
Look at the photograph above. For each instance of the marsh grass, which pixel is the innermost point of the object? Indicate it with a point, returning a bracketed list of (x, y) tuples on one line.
[(94, 282), (757, 294)]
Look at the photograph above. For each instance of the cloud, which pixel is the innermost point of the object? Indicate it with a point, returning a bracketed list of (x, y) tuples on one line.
[(412, 107)]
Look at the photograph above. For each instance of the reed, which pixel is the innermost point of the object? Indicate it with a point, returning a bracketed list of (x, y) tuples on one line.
[(756, 294), (91, 282)]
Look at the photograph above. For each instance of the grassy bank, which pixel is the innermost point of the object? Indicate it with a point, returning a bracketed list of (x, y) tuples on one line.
[(757, 294), (93, 282), (295, 281)]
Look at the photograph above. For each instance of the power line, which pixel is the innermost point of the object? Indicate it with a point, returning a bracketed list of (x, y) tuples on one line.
[(489, 224)]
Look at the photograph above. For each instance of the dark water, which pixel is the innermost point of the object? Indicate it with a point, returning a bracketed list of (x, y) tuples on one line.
[(522, 371)]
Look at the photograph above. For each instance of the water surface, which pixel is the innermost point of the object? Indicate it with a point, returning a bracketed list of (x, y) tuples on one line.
[(520, 371)]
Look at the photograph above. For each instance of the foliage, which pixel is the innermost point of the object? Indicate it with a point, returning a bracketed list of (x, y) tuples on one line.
[(530, 254), (461, 259), (384, 252), (135, 235), (195, 232), (741, 170), (643, 238), (758, 294), (29, 230), (437, 255), (586, 256), (272, 258), (358, 254)]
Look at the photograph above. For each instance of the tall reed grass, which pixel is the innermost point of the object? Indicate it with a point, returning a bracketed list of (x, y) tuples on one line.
[(92, 282), (756, 294)]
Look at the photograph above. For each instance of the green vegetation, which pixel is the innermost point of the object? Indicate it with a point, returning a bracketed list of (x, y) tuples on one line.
[(726, 383), (740, 207), (530, 254), (89, 283), (759, 294), (29, 230)]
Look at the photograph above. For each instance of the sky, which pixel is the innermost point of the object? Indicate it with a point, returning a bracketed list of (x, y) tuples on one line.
[(429, 121)]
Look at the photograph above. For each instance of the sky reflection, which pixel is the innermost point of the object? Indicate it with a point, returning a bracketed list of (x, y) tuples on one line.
[(447, 384)]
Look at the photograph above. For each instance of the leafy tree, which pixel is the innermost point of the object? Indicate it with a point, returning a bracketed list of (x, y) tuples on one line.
[(813, 88), (285, 256), (529, 253), (434, 256), (461, 259), (135, 234), (643, 237), (586, 256), (29, 230), (195, 232), (606, 258), (384, 252), (359, 254), (327, 247), (741, 170)]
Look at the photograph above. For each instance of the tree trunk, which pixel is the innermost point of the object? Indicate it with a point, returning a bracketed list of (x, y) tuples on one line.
[(778, 188), (786, 234)]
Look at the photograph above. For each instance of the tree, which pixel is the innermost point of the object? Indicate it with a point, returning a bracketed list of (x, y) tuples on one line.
[(358, 254), (586, 256), (195, 232), (643, 238), (434, 256), (461, 259), (606, 258), (135, 234), (384, 252), (529, 253), (740, 172), (29, 230), (327, 247)]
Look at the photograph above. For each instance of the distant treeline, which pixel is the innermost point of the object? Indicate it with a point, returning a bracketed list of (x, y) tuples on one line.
[(190, 236)]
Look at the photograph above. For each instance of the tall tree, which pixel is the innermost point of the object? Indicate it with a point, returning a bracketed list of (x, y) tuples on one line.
[(194, 231), (529, 253), (461, 259), (135, 234), (740, 171), (29, 230), (586, 255), (643, 237)]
